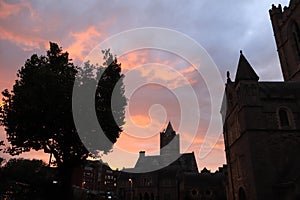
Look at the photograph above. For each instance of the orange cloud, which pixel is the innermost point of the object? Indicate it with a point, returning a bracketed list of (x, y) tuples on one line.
[(220, 144), (134, 59), (155, 65), (84, 42), (131, 144), (140, 120), (187, 69)]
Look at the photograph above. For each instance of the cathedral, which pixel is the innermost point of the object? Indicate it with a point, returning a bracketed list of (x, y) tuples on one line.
[(262, 120), (170, 175)]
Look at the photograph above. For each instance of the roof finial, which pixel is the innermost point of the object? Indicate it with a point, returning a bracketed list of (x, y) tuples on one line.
[(228, 77), (241, 52)]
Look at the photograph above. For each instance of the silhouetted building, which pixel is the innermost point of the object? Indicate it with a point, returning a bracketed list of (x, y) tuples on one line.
[(204, 186), (170, 175), (286, 27), (95, 177), (262, 121), (169, 142)]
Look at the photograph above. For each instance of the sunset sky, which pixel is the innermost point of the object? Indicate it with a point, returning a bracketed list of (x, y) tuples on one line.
[(222, 28)]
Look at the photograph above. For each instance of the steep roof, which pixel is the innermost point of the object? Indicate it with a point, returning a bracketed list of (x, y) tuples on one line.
[(245, 70), (170, 131), (169, 127)]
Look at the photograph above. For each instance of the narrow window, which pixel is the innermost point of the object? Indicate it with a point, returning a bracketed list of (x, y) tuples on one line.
[(242, 194), (283, 118)]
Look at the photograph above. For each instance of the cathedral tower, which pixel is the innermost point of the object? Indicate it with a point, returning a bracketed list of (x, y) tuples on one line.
[(286, 27), (261, 135), (169, 141), (241, 125)]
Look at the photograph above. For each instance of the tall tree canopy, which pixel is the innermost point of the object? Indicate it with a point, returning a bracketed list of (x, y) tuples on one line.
[(98, 96), (37, 113), (110, 100)]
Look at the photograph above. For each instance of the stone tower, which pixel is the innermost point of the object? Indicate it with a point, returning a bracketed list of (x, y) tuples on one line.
[(286, 27), (169, 141), (241, 116), (261, 135)]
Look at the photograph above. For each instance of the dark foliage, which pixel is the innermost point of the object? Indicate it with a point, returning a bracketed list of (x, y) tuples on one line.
[(37, 113), (1, 144), (28, 179), (110, 100)]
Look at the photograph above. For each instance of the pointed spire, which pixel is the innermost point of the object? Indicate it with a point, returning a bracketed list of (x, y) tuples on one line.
[(245, 70), (169, 128)]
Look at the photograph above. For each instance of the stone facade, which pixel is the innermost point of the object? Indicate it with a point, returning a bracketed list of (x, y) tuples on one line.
[(262, 121), (286, 26)]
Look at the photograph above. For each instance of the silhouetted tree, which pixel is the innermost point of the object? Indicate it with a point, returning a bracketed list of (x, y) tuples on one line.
[(1, 159), (103, 85), (27, 179), (110, 101), (37, 113)]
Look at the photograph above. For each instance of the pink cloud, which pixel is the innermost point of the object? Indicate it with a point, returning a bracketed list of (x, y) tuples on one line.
[(187, 70), (134, 59), (85, 41), (7, 9), (27, 42), (137, 144), (79, 40)]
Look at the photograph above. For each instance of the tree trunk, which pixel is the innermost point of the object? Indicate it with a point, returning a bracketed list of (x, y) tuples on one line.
[(66, 182)]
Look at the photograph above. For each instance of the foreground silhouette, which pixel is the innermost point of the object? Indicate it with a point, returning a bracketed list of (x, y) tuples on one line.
[(37, 113)]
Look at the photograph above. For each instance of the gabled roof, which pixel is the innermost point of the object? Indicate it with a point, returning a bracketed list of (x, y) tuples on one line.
[(245, 70)]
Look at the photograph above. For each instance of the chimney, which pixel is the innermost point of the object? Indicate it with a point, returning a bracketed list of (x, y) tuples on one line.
[(142, 154)]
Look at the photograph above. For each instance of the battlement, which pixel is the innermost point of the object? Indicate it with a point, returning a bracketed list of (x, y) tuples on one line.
[(275, 10)]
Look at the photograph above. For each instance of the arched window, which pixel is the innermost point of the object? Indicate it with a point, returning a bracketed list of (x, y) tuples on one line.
[(242, 194), (194, 192), (285, 118)]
